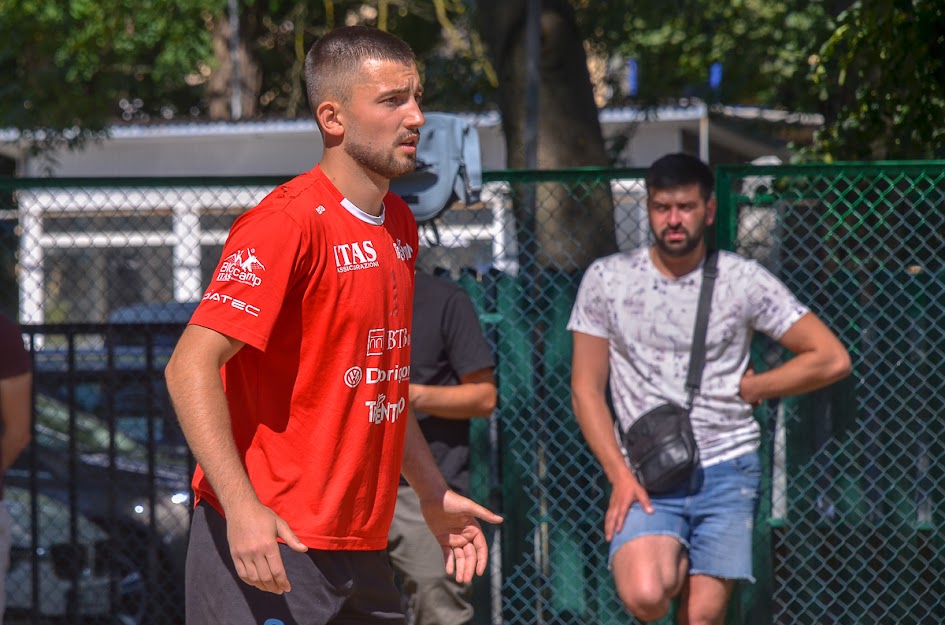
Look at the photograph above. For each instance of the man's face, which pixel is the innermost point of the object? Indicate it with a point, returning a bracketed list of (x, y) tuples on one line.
[(678, 218), (384, 118)]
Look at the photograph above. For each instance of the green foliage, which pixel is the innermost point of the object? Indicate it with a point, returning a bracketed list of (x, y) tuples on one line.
[(764, 47), (876, 70), (82, 64), (453, 69), (882, 76), (71, 63)]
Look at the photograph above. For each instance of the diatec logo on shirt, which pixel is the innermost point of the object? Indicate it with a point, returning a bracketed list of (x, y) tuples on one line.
[(241, 267), (238, 304)]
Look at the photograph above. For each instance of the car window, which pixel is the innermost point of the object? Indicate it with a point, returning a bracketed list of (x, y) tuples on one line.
[(53, 521), (92, 435)]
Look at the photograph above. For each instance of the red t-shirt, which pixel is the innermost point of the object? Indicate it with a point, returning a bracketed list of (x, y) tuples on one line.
[(321, 293)]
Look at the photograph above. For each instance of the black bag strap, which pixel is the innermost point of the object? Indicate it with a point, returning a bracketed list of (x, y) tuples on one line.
[(697, 355)]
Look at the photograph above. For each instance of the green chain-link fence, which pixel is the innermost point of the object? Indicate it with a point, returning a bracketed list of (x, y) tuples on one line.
[(849, 529), (856, 506)]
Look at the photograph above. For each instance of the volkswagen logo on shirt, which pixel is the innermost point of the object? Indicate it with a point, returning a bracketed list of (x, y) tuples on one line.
[(353, 377)]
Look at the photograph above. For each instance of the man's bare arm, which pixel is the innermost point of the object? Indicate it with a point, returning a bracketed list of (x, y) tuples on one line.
[(16, 406), (820, 359), (589, 373), (474, 396), (196, 389)]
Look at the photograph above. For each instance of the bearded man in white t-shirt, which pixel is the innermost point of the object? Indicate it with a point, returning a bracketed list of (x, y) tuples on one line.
[(632, 324)]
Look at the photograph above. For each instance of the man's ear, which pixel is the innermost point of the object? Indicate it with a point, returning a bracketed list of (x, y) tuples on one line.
[(710, 210), (330, 118)]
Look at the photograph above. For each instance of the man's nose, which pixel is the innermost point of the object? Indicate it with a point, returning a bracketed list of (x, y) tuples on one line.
[(415, 119)]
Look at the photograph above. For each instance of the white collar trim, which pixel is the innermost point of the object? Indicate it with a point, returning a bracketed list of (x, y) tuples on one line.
[(360, 214)]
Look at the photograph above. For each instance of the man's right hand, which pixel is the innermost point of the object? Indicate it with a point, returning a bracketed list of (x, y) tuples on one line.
[(251, 530), (624, 493)]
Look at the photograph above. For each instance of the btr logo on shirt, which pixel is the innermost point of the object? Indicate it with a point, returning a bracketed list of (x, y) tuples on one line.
[(382, 339), (241, 267), (404, 251), (375, 342), (355, 256)]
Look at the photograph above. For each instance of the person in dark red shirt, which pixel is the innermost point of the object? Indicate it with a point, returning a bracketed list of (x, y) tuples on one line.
[(291, 382), (16, 384)]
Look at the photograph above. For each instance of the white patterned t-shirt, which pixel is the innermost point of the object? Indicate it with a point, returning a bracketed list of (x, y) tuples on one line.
[(648, 319)]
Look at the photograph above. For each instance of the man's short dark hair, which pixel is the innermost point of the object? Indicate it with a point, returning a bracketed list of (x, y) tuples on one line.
[(333, 61), (680, 170)]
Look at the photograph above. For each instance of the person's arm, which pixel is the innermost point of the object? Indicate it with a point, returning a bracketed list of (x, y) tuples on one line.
[(450, 516), (820, 359), (196, 390), (589, 372), (16, 402), (474, 396)]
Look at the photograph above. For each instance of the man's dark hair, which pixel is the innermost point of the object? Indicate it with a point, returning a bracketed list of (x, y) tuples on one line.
[(680, 170), (332, 63)]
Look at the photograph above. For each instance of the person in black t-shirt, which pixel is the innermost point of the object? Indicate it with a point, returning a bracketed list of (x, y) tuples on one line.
[(451, 381)]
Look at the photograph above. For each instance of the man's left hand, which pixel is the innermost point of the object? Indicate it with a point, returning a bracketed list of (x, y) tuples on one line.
[(453, 522), (745, 388)]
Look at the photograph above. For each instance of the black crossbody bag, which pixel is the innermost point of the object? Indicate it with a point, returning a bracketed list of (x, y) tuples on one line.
[(660, 444)]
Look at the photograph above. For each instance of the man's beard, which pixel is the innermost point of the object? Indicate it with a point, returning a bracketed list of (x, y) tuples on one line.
[(681, 248), (383, 164)]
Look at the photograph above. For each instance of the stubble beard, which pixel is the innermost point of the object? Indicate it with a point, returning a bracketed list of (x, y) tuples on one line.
[(682, 248), (382, 164)]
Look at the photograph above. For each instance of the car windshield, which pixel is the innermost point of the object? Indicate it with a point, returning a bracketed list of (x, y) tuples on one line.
[(91, 434), (54, 520)]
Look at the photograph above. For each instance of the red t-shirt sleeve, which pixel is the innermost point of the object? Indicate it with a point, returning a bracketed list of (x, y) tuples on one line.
[(260, 261)]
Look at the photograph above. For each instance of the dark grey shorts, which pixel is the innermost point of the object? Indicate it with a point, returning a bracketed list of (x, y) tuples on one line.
[(337, 587)]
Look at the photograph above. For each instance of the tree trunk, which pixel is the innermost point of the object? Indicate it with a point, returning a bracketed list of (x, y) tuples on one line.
[(220, 83), (572, 225)]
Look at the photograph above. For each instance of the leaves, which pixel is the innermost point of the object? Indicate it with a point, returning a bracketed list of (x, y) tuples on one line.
[(876, 69), (763, 47), (881, 74), (72, 62)]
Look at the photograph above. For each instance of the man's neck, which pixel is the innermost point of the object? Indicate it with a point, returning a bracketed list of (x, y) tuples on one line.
[(361, 187), (676, 266)]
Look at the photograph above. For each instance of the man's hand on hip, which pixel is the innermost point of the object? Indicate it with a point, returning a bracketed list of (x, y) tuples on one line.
[(622, 495), (251, 531)]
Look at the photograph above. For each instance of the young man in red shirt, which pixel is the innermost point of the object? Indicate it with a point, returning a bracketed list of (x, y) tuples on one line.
[(291, 381)]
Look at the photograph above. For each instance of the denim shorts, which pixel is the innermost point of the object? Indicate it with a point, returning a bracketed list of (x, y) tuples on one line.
[(712, 516)]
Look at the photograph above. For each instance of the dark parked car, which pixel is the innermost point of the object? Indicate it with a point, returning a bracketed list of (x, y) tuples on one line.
[(103, 494), (100, 525)]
